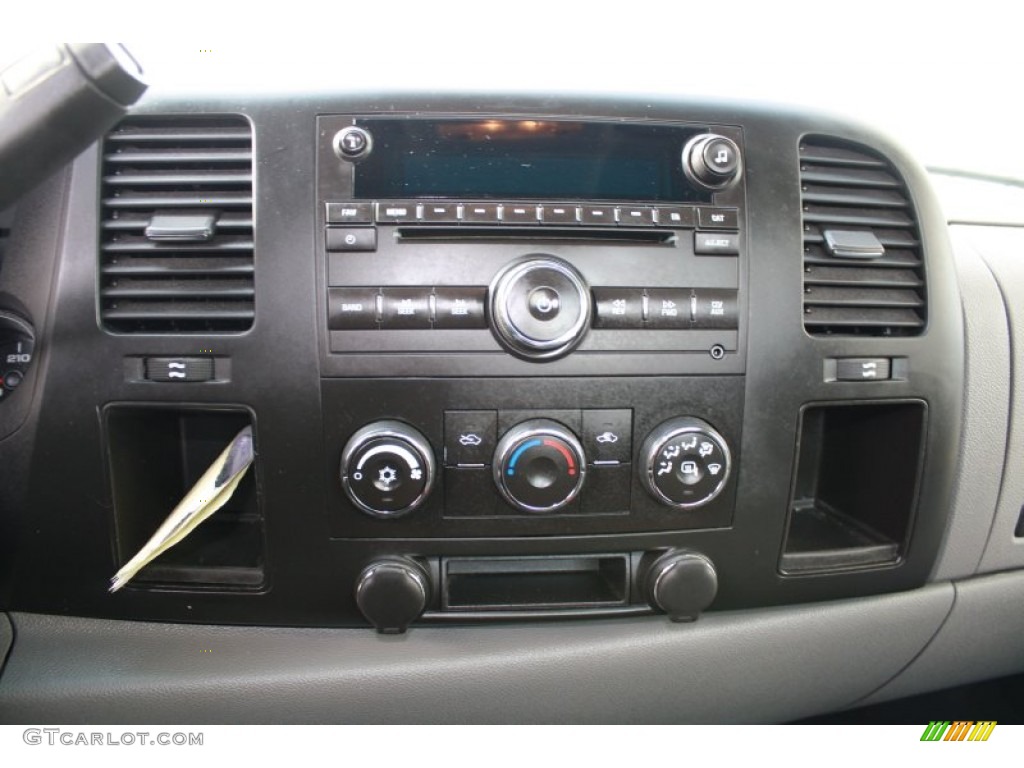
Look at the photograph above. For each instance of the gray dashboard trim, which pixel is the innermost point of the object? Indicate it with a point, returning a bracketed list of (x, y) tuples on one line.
[(980, 640), (986, 413), (1003, 251), (775, 664)]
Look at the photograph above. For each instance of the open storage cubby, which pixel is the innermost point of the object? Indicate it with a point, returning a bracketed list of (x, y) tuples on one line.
[(855, 490), (157, 453)]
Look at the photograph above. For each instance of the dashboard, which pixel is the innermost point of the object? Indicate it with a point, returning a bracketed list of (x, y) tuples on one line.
[(707, 402)]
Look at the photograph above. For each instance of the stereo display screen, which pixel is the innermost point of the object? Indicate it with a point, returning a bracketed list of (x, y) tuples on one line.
[(524, 159)]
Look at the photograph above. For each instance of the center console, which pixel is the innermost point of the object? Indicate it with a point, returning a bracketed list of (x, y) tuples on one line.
[(511, 360)]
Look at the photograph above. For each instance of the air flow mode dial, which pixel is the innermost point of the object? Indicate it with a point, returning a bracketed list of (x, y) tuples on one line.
[(686, 463)]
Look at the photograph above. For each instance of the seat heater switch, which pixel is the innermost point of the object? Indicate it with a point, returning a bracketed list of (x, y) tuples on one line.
[(179, 369)]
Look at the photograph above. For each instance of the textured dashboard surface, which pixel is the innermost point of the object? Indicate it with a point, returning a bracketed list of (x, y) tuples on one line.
[(980, 639), (767, 665), (1002, 249), (986, 412)]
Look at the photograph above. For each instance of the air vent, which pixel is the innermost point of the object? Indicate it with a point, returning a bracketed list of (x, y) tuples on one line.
[(863, 265), (176, 242)]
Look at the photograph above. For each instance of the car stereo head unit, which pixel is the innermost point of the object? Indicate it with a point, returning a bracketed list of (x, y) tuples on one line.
[(533, 237)]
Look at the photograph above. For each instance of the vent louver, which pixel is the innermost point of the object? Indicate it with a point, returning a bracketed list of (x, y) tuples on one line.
[(863, 265), (176, 240)]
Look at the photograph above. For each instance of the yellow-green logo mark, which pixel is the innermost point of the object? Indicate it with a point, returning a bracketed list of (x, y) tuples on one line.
[(960, 730)]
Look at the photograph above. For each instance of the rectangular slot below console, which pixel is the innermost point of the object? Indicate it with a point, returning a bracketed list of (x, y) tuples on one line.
[(542, 583), (857, 478)]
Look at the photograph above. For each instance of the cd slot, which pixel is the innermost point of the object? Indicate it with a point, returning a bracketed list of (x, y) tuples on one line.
[(542, 583), (498, 234)]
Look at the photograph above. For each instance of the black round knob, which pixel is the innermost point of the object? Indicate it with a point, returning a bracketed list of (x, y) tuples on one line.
[(392, 593), (539, 466), (686, 463), (352, 143), (712, 161), (540, 307), (681, 583), (387, 469)]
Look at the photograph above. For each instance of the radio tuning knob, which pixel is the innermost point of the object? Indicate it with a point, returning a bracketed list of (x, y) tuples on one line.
[(712, 162), (387, 469), (682, 583)]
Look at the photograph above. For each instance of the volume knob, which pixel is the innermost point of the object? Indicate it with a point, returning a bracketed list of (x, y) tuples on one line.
[(540, 307)]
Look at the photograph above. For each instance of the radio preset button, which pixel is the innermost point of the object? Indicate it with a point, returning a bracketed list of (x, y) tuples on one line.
[(601, 215), (405, 308), (668, 308), (519, 214), (352, 309), (636, 217), (718, 218), (441, 212), (456, 308), (480, 213), (559, 214), (620, 308)]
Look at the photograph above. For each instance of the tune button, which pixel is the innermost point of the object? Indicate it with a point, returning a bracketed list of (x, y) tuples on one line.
[(712, 162), (721, 156)]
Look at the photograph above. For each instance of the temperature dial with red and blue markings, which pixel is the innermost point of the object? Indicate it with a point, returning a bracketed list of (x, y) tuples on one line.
[(539, 466)]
